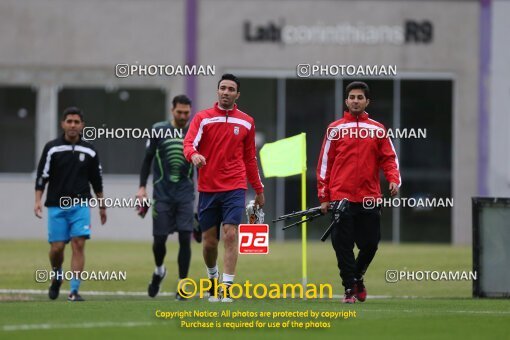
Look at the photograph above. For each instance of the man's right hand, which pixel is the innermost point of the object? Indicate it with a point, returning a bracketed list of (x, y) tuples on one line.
[(324, 207), (38, 209), (198, 160), (142, 193)]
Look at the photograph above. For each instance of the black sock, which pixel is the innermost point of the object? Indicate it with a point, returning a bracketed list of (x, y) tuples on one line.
[(159, 249), (184, 256)]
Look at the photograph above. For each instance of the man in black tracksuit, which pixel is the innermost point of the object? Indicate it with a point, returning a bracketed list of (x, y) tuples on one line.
[(69, 165)]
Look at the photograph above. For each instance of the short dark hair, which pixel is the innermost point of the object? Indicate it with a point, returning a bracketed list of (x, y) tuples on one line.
[(229, 76), (181, 99), (358, 85), (72, 110)]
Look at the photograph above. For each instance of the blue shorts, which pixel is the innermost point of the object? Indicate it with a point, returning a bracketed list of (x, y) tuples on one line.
[(217, 207), (64, 224)]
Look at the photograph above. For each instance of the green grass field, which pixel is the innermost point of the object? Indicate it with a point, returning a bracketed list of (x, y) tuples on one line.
[(417, 309)]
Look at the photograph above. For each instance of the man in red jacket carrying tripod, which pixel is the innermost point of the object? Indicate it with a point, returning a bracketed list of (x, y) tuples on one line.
[(221, 144), (355, 148)]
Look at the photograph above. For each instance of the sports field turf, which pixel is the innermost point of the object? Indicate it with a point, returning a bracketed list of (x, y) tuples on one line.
[(402, 310)]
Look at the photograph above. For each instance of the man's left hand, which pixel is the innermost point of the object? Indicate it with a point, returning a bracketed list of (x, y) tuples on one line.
[(260, 200), (102, 215), (393, 189)]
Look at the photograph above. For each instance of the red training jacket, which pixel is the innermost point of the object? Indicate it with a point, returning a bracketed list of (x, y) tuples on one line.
[(226, 138), (350, 159)]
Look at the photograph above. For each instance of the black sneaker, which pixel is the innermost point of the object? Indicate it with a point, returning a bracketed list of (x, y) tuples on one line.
[(225, 293), (181, 295), (75, 297), (360, 291), (153, 288), (349, 296), (214, 295), (54, 289)]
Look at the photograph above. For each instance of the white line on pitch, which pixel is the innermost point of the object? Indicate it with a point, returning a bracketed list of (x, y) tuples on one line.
[(90, 292), (122, 293), (436, 312), (28, 327)]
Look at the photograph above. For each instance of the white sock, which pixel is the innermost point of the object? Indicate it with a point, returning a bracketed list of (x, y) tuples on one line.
[(227, 278), (160, 270), (212, 273)]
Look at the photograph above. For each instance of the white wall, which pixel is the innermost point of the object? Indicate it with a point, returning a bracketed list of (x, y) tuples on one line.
[(498, 175)]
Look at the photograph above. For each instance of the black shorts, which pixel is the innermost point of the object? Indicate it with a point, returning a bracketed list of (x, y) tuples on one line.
[(170, 217)]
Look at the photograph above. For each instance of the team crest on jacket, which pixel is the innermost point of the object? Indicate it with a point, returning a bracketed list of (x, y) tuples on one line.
[(82, 157), (236, 130)]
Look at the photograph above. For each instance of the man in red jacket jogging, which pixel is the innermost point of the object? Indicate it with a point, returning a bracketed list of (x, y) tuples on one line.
[(355, 148), (221, 144)]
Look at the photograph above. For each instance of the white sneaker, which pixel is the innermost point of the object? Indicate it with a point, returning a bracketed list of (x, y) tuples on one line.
[(214, 299)]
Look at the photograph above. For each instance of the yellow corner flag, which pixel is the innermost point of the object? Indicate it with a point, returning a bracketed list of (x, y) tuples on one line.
[(286, 157)]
